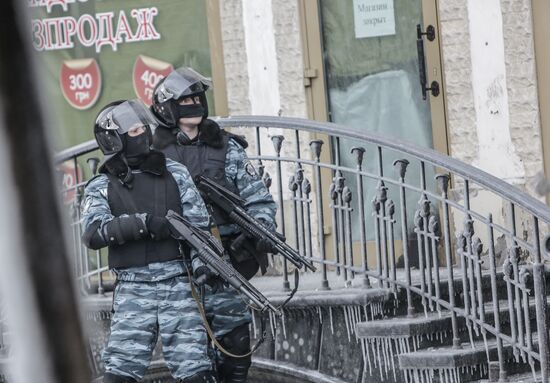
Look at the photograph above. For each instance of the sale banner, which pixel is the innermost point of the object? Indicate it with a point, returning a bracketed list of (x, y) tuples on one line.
[(80, 82), (93, 52), (148, 72)]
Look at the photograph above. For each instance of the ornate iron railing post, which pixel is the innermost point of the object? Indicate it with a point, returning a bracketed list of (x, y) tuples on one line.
[(496, 302), (402, 169), (277, 141), (358, 153), (316, 147), (540, 302), (443, 182)]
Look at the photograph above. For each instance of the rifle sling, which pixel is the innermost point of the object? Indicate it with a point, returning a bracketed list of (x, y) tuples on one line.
[(211, 332)]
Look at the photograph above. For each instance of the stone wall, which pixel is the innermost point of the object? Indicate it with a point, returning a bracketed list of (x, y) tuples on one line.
[(520, 82)]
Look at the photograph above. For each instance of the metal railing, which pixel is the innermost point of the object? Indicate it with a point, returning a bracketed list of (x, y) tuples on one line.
[(342, 205)]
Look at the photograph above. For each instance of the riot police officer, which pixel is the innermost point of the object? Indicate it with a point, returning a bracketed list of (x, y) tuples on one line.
[(124, 209), (187, 136)]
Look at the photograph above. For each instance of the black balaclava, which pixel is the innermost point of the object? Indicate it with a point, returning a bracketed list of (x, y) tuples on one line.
[(137, 148)]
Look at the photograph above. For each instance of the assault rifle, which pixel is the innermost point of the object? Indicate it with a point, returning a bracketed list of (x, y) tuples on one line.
[(233, 205), (211, 252)]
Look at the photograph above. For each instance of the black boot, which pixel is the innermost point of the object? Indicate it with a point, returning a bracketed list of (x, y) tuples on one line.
[(111, 378), (235, 372), (201, 377)]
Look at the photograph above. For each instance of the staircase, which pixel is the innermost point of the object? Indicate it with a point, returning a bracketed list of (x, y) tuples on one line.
[(421, 348)]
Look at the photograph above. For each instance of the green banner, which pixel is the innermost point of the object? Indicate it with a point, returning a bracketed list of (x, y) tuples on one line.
[(92, 52)]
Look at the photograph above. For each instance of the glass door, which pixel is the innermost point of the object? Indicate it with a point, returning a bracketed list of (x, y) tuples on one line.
[(375, 69)]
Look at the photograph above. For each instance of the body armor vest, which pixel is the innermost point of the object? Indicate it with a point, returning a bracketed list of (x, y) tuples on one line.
[(208, 161), (154, 194)]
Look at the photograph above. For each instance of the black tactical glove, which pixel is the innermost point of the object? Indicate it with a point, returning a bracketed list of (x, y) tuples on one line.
[(204, 276), (264, 245), (158, 227)]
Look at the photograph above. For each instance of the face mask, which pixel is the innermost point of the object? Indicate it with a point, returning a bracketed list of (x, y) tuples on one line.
[(191, 110), (137, 148)]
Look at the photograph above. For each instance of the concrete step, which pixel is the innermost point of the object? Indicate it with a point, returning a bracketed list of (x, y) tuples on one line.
[(458, 365), (385, 341), (516, 378), (435, 325)]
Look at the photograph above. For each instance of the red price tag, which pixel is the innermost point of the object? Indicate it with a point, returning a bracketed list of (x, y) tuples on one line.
[(147, 74), (80, 82)]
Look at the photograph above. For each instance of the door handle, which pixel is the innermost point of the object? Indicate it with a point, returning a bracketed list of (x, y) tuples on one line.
[(434, 86)]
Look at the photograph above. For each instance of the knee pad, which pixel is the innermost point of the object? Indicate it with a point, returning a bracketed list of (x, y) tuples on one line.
[(112, 378), (237, 341), (235, 370)]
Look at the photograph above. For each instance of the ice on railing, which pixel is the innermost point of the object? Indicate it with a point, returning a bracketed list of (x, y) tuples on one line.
[(444, 375), (380, 353), (353, 314)]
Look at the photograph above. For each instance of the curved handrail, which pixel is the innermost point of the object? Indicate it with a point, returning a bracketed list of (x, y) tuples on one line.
[(470, 172), (431, 156)]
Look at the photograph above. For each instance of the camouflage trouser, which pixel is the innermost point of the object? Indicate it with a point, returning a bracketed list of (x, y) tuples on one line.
[(227, 310), (145, 310)]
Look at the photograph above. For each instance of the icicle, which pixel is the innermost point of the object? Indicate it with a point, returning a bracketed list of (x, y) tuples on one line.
[(331, 322), (532, 364), (416, 377), (402, 345), (353, 315), (373, 349), (344, 308), (385, 352), (283, 320), (365, 311), (254, 327), (469, 326), (368, 356), (406, 373), (392, 361), (364, 354), (320, 314), (379, 356), (357, 319), (271, 324)]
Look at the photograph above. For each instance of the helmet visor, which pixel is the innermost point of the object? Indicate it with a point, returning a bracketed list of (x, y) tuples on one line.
[(114, 122), (131, 114), (182, 82)]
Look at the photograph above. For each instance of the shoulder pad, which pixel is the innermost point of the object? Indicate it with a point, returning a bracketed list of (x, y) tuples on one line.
[(241, 140)]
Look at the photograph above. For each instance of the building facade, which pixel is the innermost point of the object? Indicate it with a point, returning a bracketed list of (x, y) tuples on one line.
[(312, 59)]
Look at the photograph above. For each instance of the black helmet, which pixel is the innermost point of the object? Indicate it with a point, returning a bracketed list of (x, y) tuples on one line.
[(116, 119), (180, 83)]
